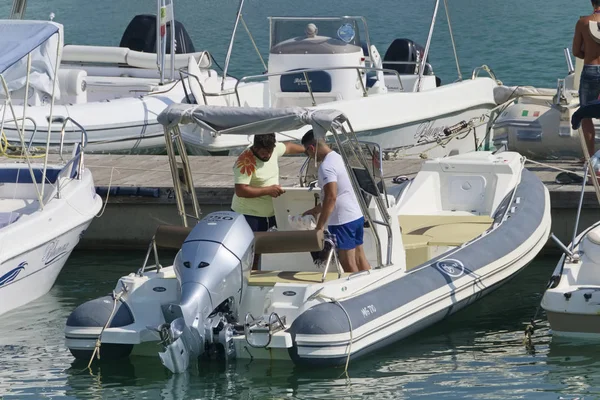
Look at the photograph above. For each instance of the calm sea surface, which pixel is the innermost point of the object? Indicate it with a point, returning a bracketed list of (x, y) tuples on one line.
[(522, 41), (477, 353)]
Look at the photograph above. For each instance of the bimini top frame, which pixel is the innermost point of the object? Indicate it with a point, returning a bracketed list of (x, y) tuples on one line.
[(259, 121)]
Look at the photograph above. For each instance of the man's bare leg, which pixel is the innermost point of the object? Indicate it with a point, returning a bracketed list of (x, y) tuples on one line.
[(361, 259), (587, 126), (348, 260)]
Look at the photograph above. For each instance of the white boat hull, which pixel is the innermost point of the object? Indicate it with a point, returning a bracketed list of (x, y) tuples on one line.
[(572, 301), (406, 123), (371, 310), (31, 275), (36, 246)]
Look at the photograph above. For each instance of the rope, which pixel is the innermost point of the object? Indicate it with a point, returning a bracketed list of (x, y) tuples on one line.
[(107, 193), (96, 352), (253, 43), (335, 301), (5, 147), (442, 142), (555, 168), (452, 40)]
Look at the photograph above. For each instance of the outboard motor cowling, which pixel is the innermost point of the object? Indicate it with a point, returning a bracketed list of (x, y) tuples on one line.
[(140, 35), (404, 50), (212, 268)]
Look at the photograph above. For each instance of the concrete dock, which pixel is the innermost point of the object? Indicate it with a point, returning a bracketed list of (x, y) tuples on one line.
[(141, 195)]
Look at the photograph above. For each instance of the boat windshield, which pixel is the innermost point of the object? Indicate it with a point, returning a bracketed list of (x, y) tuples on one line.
[(346, 29)]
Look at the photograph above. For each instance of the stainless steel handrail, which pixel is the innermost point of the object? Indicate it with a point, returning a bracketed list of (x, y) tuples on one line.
[(308, 70), (34, 128), (84, 135), (415, 63), (485, 68)]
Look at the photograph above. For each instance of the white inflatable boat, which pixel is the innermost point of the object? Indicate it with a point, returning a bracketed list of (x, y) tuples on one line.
[(115, 93), (395, 101), (464, 226)]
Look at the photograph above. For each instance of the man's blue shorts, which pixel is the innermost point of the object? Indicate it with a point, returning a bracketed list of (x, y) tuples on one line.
[(589, 84), (349, 235)]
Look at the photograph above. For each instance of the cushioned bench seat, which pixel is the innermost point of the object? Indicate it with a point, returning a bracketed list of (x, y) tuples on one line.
[(455, 234), (270, 278), (422, 232), (418, 224)]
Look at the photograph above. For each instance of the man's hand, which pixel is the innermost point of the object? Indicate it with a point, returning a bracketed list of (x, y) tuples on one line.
[(313, 211), (274, 190)]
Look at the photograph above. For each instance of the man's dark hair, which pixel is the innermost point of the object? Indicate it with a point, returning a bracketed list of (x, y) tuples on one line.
[(595, 3), (309, 137), (266, 141)]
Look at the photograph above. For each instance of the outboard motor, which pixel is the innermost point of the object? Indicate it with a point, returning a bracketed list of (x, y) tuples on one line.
[(213, 268), (404, 50), (140, 35)]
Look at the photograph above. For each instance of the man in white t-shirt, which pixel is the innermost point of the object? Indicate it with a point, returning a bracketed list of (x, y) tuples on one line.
[(339, 207)]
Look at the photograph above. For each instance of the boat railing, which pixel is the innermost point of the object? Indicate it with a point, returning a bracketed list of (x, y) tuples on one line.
[(84, 136), (77, 155), (490, 72), (305, 72), (417, 65), (34, 129)]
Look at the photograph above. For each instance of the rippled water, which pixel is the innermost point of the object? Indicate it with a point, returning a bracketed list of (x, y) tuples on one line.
[(477, 353), (522, 41)]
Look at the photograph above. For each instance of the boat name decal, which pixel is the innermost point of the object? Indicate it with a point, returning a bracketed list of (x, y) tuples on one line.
[(368, 310), (12, 274), (301, 82), (450, 267), (427, 133), (54, 252)]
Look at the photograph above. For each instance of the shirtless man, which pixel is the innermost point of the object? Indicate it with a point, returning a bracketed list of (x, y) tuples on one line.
[(587, 48)]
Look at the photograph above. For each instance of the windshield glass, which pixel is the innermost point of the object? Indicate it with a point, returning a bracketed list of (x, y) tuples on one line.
[(342, 28)]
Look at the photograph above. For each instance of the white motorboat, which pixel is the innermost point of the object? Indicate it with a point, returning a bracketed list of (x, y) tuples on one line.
[(536, 121), (44, 208), (571, 299), (465, 225), (395, 101), (115, 93)]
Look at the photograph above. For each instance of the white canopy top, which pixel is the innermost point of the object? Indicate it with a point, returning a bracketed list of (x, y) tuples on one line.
[(249, 120), (41, 39)]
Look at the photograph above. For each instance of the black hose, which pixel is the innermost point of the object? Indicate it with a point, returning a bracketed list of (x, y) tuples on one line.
[(222, 70)]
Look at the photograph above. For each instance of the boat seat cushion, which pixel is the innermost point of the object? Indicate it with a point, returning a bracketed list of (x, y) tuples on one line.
[(416, 248), (288, 241), (418, 224), (270, 278), (455, 234)]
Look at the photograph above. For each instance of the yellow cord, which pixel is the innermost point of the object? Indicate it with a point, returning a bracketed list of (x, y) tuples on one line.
[(4, 145)]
